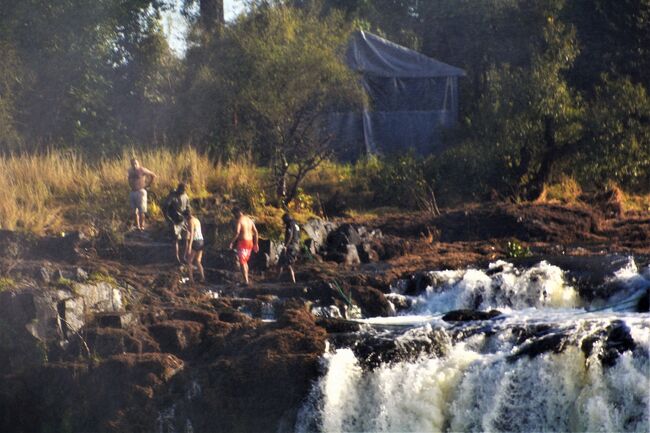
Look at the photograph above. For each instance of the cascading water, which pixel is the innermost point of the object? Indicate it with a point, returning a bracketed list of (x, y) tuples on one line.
[(552, 361)]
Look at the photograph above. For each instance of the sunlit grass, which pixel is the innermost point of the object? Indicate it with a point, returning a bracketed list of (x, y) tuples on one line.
[(566, 191), (59, 191), (53, 191)]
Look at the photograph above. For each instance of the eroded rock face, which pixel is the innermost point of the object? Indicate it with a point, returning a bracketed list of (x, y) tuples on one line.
[(99, 297), (177, 336), (37, 323)]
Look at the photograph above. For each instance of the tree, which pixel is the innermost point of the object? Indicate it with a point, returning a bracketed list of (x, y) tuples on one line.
[(616, 145), (614, 39), (528, 119), (74, 54), (11, 74), (281, 72)]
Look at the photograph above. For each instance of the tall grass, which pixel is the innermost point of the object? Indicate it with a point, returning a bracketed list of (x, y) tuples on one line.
[(56, 191), (51, 192)]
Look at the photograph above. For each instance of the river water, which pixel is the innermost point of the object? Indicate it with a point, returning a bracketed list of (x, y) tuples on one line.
[(552, 361)]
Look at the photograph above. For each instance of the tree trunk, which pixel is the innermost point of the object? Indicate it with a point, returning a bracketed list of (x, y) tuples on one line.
[(550, 154), (212, 17)]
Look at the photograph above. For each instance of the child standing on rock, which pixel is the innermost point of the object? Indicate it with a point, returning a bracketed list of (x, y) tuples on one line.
[(291, 245), (195, 244)]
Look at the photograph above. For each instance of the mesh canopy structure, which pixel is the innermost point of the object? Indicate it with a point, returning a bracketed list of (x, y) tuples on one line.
[(412, 98)]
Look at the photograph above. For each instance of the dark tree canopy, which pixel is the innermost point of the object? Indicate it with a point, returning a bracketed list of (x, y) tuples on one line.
[(553, 87)]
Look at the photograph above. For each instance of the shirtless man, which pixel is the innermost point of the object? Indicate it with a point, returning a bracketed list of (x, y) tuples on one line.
[(139, 179), (245, 240)]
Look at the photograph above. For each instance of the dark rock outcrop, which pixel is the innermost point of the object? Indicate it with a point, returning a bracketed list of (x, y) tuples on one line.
[(418, 283), (554, 342), (470, 315), (375, 350), (318, 231), (616, 339)]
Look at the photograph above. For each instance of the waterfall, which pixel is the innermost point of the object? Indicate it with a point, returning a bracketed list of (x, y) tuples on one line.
[(546, 364)]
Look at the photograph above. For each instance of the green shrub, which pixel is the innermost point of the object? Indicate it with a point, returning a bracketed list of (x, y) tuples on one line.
[(514, 249)]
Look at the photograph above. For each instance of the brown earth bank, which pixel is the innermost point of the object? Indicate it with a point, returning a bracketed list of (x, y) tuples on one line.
[(105, 336)]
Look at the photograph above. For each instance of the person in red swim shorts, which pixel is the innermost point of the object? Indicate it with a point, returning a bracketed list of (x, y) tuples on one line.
[(245, 240)]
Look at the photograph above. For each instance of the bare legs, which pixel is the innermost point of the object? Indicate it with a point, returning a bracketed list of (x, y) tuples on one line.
[(244, 272), (178, 251), (293, 275), (199, 257), (139, 220), (195, 257)]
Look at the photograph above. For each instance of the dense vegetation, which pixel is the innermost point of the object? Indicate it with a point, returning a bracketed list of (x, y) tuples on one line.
[(555, 89)]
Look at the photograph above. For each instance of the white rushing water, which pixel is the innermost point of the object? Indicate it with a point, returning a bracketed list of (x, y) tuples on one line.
[(482, 382), (501, 286)]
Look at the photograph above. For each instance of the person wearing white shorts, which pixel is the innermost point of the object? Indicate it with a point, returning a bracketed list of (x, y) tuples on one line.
[(139, 179)]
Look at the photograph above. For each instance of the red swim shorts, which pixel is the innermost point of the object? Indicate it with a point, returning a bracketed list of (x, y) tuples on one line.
[(244, 249)]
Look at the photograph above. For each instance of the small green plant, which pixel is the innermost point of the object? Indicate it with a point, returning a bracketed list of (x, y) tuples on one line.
[(514, 249), (101, 277), (64, 283)]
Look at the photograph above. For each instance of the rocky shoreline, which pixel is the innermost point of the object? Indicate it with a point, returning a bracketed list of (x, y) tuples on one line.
[(104, 336)]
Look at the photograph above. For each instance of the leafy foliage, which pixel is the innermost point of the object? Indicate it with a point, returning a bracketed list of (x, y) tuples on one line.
[(617, 121), (514, 249), (554, 88), (278, 71)]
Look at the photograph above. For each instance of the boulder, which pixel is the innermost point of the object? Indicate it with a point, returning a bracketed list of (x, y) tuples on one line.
[(337, 326), (31, 310), (373, 302), (470, 315), (106, 342), (400, 302), (616, 340), (554, 342), (80, 275), (27, 321), (318, 231), (268, 255), (367, 254), (375, 350), (71, 315), (345, 235), (310, 244), (99, 297), (418, 283), (43, 275), (351, 256)]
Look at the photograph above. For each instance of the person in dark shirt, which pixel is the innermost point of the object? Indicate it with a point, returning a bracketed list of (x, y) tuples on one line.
[(291, 245), (174, 206)]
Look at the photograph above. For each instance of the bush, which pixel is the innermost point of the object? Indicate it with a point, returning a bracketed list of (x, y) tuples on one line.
[(514, 249)]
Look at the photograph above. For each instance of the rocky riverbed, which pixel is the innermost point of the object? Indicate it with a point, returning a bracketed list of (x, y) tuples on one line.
[(104, 336)]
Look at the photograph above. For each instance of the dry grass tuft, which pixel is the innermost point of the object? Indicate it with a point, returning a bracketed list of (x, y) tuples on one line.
[(566, 191), (625, 202)]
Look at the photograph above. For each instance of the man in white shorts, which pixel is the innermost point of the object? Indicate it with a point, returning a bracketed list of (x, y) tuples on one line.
[(139, 179)]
